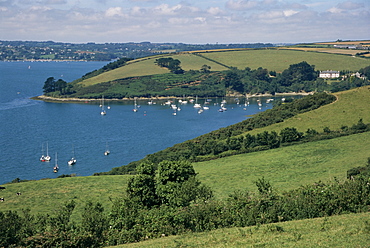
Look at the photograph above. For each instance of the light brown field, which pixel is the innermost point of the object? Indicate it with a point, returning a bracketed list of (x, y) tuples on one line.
[(358, 42), (327, 50)]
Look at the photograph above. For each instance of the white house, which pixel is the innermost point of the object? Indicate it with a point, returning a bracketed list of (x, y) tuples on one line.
[(329, 74)]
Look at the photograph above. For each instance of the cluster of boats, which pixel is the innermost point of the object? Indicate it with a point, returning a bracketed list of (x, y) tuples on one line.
[(47, 158), (72, 161)]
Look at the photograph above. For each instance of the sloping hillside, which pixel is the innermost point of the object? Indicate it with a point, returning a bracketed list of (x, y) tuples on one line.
[(350, 230)]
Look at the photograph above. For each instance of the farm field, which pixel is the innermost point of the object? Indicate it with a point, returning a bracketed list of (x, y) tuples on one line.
[(350, 230), (280, 59), (358, 42), (286, 168), (146, 66), (327, 50)]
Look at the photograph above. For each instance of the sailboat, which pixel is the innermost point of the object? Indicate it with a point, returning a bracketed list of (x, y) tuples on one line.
[(46, 158), (73, 160), (107, 152), (197, 105), (56, 167), (135, 107), (42, 158), (102, 107)]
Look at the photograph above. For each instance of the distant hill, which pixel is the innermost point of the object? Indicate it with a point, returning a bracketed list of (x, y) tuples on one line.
[(50, 50)]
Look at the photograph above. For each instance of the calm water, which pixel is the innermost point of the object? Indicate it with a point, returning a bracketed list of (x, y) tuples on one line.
[(26, 125)]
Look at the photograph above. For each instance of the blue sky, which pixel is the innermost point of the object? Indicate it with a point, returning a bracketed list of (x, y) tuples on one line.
[(197, 22)]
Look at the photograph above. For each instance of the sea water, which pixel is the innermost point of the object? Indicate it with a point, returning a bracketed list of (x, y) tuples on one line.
[(28, 127)]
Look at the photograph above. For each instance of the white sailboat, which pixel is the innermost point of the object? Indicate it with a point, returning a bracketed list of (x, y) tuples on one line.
[(135, 106), (102, 112), (46, 158), (42, 158), (56, 167), (73, 160), (107, 152), (197, 105)]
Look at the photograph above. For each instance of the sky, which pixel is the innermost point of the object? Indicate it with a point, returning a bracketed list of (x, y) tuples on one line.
[(191, 22)]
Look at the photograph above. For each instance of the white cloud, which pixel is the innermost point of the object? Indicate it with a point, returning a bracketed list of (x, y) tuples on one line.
[(290, 12), (241, 4), (215, 11), (114, 11)]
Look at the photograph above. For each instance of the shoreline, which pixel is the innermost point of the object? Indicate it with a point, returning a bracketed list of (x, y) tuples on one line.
[(87, 100)]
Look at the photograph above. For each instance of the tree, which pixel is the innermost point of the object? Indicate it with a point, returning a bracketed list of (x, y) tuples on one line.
[(290, 134), (205, 69), (172, 64), (173, 183), (142, 186), (60, 86), (49, 85), (298, 73)]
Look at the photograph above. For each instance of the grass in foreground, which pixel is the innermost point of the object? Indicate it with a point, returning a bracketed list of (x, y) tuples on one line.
[(46, 196), (286, 168), (351, 230)]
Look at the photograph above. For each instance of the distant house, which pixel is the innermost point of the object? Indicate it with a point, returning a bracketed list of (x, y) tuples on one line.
[(329, 74)]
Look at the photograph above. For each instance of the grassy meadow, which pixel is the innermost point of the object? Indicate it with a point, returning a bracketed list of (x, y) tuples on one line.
[(280, 59), (45, 196), (146, 66), (286, 168), (350, 230)]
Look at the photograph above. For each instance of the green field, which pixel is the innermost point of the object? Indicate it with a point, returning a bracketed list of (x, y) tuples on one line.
[(280, 59), (351, 230), (288, 167), (143, 67), (351, 106), (271, 59), (46, 196)]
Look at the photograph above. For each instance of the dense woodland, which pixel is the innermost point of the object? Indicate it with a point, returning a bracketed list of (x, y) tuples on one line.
[(300, 77)]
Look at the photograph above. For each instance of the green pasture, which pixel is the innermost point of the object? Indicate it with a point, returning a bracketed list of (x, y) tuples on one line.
[(133, 69), (280, 59), (146, 66), (350, 106), (47, 195), (288, 167), (350, 230), (193, 62)]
